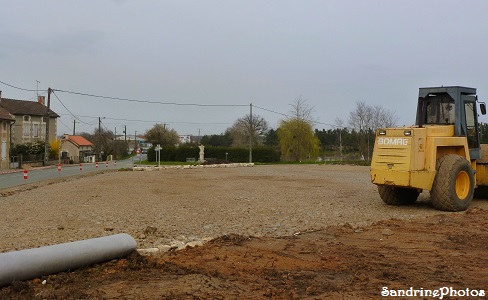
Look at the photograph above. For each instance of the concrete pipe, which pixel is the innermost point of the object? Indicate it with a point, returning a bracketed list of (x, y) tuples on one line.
[(32, 263)]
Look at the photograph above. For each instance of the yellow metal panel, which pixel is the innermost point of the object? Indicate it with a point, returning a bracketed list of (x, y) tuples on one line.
[(392, 151), (389, 177), (437, 130), (418, 149), (414, 179), (422, 179), (440, 146), (482, 174)]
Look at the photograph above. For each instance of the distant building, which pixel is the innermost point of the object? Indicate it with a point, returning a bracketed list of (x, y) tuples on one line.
[(76, 148), (185, 139), (133, 144)]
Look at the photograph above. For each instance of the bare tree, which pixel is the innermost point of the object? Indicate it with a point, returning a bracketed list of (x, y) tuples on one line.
[(102, 140), (300, 110), (360, 118), (339, 122), (382, 118), (365, 119), (243, 127)]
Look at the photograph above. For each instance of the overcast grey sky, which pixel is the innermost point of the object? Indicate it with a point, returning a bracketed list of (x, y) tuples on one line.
[(331, 53)]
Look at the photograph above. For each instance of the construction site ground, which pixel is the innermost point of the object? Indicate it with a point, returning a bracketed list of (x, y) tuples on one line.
[(262, 232)]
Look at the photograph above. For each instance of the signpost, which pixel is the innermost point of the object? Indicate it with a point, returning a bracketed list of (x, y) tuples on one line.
[(158, 148)]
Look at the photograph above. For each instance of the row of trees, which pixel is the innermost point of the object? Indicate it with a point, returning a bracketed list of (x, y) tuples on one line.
[(296, 138)]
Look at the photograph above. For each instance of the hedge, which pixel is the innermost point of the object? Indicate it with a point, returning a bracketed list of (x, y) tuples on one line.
[(181, 153)]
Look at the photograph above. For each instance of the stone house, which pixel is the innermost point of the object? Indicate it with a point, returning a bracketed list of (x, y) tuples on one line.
[(30, 120), (76, 148), (6, 121)]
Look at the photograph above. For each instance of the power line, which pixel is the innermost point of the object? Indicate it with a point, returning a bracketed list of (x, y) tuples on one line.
[(64, 124), (154, 121), (272, 111), (161, 103), (151, 102), (16, 87), (40, 94), (67, 108), (131, 100), (289, 116)]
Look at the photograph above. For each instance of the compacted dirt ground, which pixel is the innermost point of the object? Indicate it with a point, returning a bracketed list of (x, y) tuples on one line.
[(263, 232)]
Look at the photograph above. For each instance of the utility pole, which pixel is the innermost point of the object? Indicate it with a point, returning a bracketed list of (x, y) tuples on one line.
[(46, 144), (250, 133), (125, 138), (100, 138), (340, 141), (135, 140), (115, 144)]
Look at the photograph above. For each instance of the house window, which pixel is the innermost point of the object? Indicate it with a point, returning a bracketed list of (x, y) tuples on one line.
[(4, 126), (26, 118), (35, 132), (26, 129)]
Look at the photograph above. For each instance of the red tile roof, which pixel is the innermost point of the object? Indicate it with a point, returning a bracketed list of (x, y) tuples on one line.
[(79, 140)]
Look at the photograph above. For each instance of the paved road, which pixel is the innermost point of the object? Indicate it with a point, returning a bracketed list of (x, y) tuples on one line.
[(16, 178)]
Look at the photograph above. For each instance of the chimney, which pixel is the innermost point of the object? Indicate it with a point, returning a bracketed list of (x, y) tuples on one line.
[(40, 99)]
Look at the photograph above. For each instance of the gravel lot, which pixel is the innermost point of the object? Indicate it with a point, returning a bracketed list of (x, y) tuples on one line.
[(174, 207)]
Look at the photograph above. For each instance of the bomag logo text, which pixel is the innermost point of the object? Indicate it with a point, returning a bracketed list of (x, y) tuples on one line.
[(393, 141)]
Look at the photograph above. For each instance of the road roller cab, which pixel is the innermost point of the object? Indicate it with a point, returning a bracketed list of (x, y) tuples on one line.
[(441, 153)]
